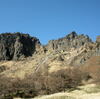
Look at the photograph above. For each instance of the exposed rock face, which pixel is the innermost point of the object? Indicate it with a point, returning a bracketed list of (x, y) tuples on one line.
[(97, 49), (98, 39), (72, 49), (72, 40), (77, 48), (17, 45)]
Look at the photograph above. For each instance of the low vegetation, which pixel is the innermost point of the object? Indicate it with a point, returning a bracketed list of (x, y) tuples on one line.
[(42, 83)]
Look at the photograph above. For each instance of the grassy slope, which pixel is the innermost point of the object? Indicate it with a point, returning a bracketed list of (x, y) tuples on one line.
[(90, 91), (84, 92)]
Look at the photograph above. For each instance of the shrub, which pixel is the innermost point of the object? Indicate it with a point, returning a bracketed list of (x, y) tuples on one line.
[(42, 83)]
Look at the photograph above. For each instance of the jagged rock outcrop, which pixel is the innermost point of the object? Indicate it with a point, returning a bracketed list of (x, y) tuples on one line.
[(98, 39), (78, 48), (72, 40), (17, 45), (71, 50), (97, 48)]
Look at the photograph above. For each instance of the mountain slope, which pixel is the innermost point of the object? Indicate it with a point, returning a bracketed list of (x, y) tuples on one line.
[(27, 55)]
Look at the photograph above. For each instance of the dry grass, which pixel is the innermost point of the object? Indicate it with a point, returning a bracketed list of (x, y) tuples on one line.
[(76, 94), (93, 68)]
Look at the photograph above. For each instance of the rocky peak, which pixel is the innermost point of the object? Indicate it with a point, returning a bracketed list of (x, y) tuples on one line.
[(72, 35), (17, 45), (72, 40)]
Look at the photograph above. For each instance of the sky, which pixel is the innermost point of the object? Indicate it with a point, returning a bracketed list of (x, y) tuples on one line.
[(50, 19)]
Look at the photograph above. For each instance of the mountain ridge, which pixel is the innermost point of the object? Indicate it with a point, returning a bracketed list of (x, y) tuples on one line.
[(71, 50)]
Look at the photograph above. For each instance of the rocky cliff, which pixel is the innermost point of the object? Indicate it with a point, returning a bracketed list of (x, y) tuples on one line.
[(17, 45), (14, 46), (72, 40), (71, 50), (78, 48)]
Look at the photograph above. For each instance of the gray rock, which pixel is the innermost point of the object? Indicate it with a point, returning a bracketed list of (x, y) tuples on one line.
[(72, 40), (98, 39), (17, 45)]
